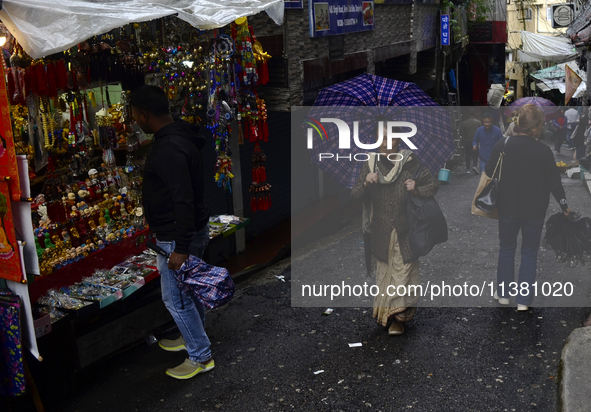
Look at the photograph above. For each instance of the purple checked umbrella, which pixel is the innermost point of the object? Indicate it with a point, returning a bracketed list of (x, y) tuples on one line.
[(551, 111), (366, 97)]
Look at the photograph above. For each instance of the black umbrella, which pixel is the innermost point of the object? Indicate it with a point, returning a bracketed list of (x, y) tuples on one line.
[(570, 239)]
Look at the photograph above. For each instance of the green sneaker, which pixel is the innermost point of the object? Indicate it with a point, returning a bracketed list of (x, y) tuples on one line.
[(190, 368), (175, 345)]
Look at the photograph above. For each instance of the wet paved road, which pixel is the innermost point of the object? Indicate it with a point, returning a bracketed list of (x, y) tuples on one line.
[(267, 353)]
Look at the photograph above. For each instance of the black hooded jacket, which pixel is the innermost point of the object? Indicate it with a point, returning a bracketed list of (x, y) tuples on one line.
[(173, 191)]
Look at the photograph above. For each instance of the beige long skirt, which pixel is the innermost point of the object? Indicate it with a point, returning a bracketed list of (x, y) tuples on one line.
[(395, 299)]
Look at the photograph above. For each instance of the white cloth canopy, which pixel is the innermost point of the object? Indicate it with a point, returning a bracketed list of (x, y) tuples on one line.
[(44, 27), (537, 47)]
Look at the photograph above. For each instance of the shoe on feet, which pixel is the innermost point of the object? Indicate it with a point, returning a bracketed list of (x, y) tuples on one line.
[(175, 345), (502, 301), (190, 368), (522, 308), (467, 171), (475, 170), (395, 329)]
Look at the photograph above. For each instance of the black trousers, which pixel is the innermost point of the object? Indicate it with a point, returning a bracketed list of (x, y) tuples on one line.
[(470, 155)]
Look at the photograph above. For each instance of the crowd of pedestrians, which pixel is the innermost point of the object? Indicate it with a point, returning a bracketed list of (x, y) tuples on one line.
[(571, 126)]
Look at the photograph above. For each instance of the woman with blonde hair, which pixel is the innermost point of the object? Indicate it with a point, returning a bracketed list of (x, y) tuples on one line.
[(527, 177)]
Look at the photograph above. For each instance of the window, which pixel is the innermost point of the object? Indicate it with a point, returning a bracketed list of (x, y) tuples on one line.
[(525, 14)]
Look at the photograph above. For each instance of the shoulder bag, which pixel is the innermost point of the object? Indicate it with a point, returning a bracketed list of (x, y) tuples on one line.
[(487, 193), (426, 222)]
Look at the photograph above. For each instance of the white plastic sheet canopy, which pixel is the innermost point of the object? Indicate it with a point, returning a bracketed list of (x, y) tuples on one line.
[(537, 47), (44, 27)]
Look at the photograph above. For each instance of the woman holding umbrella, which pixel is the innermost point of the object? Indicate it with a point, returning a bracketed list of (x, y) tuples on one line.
[(528, 176), (384, 190)]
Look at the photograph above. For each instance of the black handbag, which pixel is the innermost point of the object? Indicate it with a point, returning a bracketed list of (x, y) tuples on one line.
[(426, 222), (488, 198)]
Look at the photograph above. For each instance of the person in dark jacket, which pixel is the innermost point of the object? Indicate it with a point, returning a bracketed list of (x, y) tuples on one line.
[(467, 131), (528, 176), (560, 133), (578, 136), (173, 200), (383, 185)]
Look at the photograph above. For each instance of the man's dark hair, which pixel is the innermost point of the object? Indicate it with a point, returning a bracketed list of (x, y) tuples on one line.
[(487, 115), (152, 99), (471, 112)]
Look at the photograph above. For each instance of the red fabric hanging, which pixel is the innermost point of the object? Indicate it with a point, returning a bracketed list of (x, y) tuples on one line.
[(263, 69), (28, 81), (50, 165), (252, 205), (265, 130), (51, 80), (253, 132), (62, 75), (41, 80)]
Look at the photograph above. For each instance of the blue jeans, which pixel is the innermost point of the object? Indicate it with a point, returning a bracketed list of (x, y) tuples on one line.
[(531, 233), (191, 319), (482, 165)]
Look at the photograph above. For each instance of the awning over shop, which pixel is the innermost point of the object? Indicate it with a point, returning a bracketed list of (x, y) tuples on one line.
[(554, 78), (537, 47), (44, 27)]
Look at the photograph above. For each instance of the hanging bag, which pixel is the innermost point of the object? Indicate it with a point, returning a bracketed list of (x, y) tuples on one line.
[(486, 197), (426, 222)]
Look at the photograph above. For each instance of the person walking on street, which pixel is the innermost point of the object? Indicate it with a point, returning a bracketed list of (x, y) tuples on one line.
[(578, 136), (528, 176), (560, 133), (485, 139), (572, 119), (173, 199), (510, 131), (467, 131), (384, 187)]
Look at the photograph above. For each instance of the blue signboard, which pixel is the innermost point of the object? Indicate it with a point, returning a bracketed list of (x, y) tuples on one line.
[(330, 17), (445, 30), (293, 4)]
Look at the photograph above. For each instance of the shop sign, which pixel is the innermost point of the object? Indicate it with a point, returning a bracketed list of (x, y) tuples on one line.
[(562, 15), (331, 17), (404, 1), (294, 4), (445, 31)]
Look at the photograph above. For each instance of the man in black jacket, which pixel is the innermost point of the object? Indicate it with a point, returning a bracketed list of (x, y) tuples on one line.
[(173, 200)]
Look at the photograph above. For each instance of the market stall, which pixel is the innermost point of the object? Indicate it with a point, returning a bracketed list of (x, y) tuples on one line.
[(72, 227)]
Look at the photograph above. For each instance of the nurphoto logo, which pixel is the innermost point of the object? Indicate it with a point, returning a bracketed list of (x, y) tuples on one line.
[(344, 142)]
